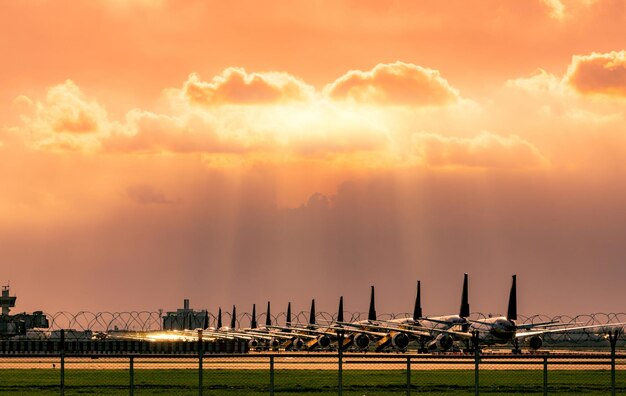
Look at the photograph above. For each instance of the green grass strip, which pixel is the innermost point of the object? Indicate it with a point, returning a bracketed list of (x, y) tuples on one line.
[(306, 382)]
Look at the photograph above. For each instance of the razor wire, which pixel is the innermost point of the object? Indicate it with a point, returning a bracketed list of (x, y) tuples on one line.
[(86, 321), (105, 321)]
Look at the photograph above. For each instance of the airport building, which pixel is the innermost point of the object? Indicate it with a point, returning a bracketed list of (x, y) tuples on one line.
[(185, 319)]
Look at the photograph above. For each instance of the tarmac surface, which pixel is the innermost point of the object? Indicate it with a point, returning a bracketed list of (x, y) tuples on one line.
[(325, 361)]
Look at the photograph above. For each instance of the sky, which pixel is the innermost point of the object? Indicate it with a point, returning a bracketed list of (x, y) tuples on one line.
[(239, 152)]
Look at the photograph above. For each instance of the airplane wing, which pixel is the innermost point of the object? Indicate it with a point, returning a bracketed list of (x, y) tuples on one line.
[(280, 335), (250, 334), (362, 331), (292, 329), (167, 336), (565, 330), (447, 322), (375, 328), (552, 323), (480, 322), (460, 334), (350, 324), (414, 330), (217, 335), (303, 329)]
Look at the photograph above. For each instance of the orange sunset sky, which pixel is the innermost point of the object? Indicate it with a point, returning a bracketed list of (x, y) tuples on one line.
[(245, 151)]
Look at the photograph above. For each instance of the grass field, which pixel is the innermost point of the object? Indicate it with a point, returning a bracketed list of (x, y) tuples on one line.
[(305, 382)]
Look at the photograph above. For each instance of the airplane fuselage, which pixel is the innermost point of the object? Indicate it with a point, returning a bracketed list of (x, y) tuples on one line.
[(498, 330)]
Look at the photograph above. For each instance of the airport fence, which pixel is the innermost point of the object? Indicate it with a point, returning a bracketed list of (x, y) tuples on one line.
[(312, 374), (321, 373)]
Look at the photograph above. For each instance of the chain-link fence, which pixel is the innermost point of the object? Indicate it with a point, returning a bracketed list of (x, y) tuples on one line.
[(321, 373)]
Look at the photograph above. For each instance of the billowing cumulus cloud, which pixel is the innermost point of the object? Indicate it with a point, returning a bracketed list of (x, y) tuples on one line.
[(553, 98), (65, 119), (258, 125), (292, 131), (486, 150), (599, 73), (394, 84), (539, 81), (150, 132), (236, 86)]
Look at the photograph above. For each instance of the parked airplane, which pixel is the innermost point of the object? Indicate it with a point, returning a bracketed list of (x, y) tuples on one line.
[(391, 333), (431, 332), (440, 326), (219, 326), (318, 337), (256, 338), (504, 330)]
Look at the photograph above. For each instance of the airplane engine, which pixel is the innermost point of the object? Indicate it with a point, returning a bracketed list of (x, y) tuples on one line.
[(298, 343), (253, 343), (400, 341), (362, 341), (274, 343), (444, 342), (323, 341), (535, 342)]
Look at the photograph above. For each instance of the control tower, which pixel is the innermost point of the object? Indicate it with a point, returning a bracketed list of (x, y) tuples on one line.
[(17, 325), (6, 302)]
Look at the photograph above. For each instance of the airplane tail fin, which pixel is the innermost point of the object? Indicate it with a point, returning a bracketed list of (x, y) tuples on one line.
[(340, 310), (219, 318), (312, 316), (372, 313), (512, 311), (288, 316), (233, 319), (464, 312), (268, 317), (253, 320), (417, 311)]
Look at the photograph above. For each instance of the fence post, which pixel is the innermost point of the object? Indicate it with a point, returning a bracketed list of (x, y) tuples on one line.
[(62, 353), (545, 375), (131, 367), (200, 357), (340, 335), (613, 341), (408, 376), (476, 361), (272, 375)]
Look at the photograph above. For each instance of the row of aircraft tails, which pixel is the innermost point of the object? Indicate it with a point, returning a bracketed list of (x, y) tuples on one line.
[(427, 334)]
